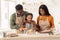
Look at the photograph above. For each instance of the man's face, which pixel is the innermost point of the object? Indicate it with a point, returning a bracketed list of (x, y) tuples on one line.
[(19, 11)]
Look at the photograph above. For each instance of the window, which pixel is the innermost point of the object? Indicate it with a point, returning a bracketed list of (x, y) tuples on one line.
[(7, 8)]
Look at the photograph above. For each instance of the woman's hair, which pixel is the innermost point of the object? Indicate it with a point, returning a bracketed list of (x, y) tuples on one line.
[(28, 14), (44, 7)]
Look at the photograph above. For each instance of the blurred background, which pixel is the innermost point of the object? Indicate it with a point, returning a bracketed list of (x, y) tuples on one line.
[(7, 8)]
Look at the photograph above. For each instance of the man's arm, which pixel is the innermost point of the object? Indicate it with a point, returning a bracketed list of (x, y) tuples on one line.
[(12, 22)]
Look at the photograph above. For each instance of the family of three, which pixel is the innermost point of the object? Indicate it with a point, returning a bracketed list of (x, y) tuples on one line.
[(22, 20)]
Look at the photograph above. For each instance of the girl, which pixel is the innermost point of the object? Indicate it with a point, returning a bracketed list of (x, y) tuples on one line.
[(45, 20), (29, 23)]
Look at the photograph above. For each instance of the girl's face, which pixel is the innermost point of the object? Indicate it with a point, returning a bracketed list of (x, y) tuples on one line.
[(42, 12), (29, 18)]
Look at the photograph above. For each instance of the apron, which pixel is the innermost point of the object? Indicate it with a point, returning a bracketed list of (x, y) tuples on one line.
[(45, 25), (21, 20)]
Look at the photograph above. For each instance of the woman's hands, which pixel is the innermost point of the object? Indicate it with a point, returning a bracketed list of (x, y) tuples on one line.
[(44, 31), (51, 29)]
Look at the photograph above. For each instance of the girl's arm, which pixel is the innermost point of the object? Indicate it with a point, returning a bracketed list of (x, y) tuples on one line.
[(37, 20)]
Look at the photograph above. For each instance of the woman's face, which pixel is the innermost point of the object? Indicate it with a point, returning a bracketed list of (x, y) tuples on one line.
[(29, 18), (42, 12)]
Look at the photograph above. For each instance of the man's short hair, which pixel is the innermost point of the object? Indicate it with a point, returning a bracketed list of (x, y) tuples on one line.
[(19, 7)]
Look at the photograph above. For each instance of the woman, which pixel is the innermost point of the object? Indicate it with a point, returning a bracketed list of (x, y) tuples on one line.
[(45, 21)]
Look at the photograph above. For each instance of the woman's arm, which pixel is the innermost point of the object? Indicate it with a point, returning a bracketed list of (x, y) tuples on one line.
[(52, 23)]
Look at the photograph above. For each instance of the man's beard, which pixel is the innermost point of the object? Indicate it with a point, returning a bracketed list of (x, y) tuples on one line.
[(18, 15)]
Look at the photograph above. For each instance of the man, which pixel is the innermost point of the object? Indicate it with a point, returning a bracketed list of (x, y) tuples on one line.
[(18, 17)]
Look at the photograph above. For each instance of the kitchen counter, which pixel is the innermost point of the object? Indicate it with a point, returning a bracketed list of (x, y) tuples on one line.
[(32, 37)]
